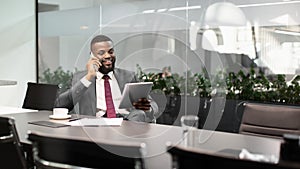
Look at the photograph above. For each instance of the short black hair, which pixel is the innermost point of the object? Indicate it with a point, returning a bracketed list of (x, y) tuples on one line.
[(100, 38)]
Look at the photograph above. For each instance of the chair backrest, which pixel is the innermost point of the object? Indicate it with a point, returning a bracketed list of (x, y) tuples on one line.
[(11, 153), (189, 158), (54, 152), (270, 120), (40, 96)]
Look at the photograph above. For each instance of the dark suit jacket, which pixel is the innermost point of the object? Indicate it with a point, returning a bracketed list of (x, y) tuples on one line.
[(83, 99)]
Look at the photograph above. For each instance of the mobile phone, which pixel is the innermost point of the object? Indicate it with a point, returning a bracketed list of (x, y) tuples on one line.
[(91, 54), (95, 66)]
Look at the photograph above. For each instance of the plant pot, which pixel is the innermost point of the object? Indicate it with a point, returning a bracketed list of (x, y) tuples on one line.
[(231, 117), (168, 106), (226, 117)]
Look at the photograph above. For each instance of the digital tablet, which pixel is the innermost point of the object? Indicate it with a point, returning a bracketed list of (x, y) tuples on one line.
[(134, 91)]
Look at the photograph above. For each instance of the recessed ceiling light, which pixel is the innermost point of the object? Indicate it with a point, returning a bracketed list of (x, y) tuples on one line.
[(83, 27), (149, 11), (172, 9), (162, 10), (184, 8)]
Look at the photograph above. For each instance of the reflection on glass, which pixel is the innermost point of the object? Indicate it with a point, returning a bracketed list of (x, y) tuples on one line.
[(158, 35)]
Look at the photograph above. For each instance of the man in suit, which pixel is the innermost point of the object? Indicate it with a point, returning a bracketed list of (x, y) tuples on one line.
[(87, 95)]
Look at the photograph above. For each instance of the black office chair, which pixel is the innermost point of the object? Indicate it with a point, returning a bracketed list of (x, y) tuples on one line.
[(12, 155), (53, 152), (189, 158), (40, 96)]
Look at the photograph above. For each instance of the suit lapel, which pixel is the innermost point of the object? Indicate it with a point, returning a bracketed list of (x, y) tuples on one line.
[(120, 79), (92, 94)]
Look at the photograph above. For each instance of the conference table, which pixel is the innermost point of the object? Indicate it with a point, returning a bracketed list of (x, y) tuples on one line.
[(155, 136)]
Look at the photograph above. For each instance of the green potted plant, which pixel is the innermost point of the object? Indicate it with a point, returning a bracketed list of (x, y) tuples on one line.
[(59, 76), (238, 87), (256, 87)]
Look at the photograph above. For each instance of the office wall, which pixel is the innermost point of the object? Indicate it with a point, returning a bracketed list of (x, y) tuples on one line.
[(17, 49)]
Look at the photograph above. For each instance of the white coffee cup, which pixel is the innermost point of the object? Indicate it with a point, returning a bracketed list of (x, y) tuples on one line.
[(60, 112)]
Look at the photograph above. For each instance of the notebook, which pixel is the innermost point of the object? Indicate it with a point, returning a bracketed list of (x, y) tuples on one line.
[(48, 124)]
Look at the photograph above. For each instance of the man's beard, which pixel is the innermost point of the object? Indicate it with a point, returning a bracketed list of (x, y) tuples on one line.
[(105, 70)]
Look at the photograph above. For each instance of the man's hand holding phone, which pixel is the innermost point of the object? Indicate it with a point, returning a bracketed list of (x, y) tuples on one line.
[(92, 66)]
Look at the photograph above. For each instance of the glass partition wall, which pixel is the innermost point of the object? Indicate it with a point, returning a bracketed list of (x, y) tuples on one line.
[(197, 53)]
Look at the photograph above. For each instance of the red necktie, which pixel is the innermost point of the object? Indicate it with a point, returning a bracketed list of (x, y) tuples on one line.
[(110, 108)]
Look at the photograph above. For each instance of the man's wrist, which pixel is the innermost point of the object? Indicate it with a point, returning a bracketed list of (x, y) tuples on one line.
[(85, 82), (89, 77)]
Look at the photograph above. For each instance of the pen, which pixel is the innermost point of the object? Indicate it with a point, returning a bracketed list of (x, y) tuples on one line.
[(90, 125), (74, 119)]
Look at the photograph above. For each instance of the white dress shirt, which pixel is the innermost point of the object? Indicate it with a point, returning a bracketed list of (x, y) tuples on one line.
[(100, 94)]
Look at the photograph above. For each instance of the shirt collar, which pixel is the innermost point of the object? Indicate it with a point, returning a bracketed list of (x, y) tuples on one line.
[(100, 75)]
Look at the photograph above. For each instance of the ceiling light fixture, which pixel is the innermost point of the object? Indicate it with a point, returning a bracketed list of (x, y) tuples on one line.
[(172, 9), (224, 14), (84, 27), (287, 32), (184, 8), (268, 4), (161, 10), (149, 11)]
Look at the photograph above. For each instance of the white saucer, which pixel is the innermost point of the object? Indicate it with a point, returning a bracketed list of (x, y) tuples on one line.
[(59, 117)]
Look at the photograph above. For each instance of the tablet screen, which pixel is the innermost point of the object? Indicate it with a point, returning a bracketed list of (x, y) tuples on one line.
[(134, 91)]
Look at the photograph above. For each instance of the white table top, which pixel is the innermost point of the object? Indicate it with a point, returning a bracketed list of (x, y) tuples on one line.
[(14, 110)]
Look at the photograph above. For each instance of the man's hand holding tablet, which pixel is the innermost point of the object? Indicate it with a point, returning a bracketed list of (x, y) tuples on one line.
[(136, 95)]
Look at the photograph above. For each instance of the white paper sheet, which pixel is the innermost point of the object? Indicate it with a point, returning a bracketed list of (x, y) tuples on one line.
[(89, 122), (245, 154)]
